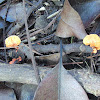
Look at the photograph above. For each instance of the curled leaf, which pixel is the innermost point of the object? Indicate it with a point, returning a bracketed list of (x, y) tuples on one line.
[(70, 23)]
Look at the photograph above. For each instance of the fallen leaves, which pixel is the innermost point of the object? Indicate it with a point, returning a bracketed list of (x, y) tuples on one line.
[(15, 13)]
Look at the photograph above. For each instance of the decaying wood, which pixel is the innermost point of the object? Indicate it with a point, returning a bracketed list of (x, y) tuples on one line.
[(69, 48), (18, 73), (53, 58), (89, 80), (25, 74)]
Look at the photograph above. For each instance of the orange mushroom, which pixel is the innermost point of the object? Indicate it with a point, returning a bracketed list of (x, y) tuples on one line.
[(93, 40), (15, 59), (12, 41)]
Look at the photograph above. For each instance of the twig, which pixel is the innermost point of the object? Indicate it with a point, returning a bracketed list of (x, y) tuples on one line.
[(93, 56), (7, 47), (51, 66), (69, 48), (45, 38), (54, 14), (44, 29), (30, 46), (40, 30), (4, 32)]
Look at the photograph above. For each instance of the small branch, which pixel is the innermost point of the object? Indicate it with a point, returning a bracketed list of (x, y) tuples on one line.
[(44, 29), (69, 48), (74, 47), (30, 46)]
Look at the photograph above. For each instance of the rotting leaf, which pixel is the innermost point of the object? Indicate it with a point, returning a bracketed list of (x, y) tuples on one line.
[(70, 23)]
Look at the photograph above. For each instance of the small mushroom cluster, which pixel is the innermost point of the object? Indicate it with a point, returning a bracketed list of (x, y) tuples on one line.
[(13, 41), (93, 40)]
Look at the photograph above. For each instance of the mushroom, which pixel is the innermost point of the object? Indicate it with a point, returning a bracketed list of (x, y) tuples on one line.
[(93, 40), (70, 23), (12, 41), (15, 59)]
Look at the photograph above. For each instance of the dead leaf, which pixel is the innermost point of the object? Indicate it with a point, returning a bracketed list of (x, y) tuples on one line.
[(2, 24), (70, 88), (88, 10), (15, 12), (70, 23)]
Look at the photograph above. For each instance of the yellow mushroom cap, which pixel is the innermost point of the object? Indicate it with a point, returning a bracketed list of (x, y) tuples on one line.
[(93, 40), (12, 41)]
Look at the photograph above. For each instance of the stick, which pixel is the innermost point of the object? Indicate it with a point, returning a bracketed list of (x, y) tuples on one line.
[(69, 48), (30, 46), (19, 73)]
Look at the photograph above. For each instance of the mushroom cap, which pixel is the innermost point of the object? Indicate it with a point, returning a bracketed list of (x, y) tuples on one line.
[(12, 41), (93, 40)]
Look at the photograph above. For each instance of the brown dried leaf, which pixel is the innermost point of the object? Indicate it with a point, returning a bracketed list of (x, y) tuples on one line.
[(70, 23), (69, 87)]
